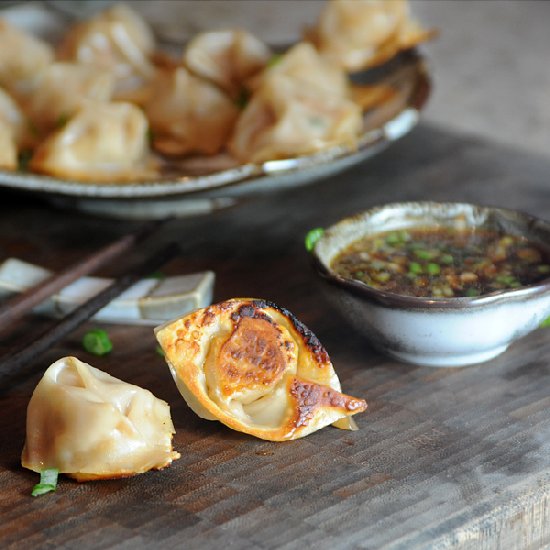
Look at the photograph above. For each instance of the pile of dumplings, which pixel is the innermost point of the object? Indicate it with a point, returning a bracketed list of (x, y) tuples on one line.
[(105, 105)]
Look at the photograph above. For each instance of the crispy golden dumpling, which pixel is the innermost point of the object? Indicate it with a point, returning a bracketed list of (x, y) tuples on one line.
[(188, 114), (226, 58), (91, 425), (102, 142), (361, 33), (21, 56), (60, 89), (118, 40), (257, 369)]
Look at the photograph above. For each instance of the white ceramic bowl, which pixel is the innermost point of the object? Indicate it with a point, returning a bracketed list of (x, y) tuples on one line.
[(446, 332)]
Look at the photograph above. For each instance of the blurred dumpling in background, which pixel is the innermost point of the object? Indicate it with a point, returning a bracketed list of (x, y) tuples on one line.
[(256, 368), (21, 55), (90, 425), (101, 142), (226, 58), (119, 40), (60, 89), (188, 114), (300, 107), (360, 33), (8, 148), (13, 129), (307, 71)]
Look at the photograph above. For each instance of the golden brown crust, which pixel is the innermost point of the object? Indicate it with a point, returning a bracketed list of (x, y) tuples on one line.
[(253, 355)]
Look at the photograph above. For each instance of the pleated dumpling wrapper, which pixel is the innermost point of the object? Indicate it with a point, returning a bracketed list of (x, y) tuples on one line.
[(90, 425), (257, 369)]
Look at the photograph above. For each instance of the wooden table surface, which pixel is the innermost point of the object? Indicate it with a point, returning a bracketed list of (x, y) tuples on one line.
[(444, 458)]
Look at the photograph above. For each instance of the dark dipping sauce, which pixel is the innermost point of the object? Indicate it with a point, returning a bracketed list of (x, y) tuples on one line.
[(443, 262)]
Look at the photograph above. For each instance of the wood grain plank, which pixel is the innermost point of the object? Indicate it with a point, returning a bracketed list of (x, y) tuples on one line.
[(444, 458)]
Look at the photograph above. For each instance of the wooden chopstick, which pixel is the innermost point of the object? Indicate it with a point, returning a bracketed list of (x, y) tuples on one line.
[(13, 365), (18, 305)]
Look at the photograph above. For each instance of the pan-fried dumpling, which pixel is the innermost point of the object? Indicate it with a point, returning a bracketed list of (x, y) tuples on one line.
[(91, 425), (119, 40), (102, 142), (21, 55), (60, 89), (226, 58), (257, 369), (360, 33), (188, 114)]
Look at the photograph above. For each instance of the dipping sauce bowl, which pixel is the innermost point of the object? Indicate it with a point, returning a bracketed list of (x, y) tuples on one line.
[(435, 331)]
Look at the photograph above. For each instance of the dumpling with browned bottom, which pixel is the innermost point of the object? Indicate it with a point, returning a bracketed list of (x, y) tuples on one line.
[(257, 369), (90, 425)]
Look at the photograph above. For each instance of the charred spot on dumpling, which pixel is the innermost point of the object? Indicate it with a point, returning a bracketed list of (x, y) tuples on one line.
[(308, 337), (310, 396)]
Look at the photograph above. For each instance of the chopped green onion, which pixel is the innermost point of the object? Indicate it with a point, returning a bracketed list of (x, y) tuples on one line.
[(505, 279), (404, 235), (393, 238), (433, 269), (48, 482), (415, 268), (97, 342), (157, 275), (312, 237), (446, 259), (425, 254), (160, 351), (545, 323), (472, 292)]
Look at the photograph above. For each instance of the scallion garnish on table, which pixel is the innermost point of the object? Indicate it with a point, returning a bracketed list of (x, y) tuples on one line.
[(312, 236), (97, 341), (48, 482)]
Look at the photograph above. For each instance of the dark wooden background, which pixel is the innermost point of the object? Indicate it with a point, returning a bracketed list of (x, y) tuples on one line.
[(444, 458)]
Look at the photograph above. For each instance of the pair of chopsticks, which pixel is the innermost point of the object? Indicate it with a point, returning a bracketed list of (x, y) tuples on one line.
[(14, 365)]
